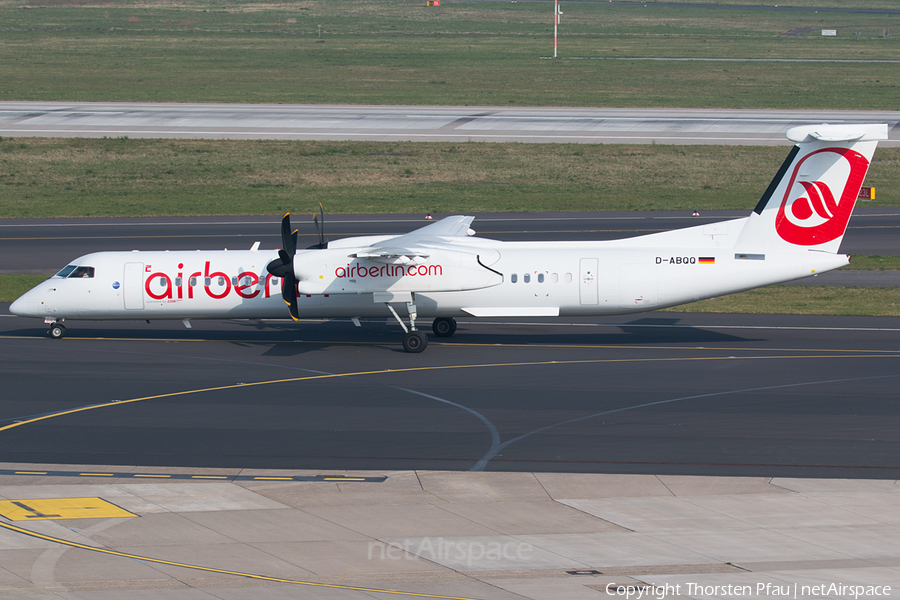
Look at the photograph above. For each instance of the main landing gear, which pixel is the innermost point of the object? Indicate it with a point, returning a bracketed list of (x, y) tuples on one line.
[(444, 326)]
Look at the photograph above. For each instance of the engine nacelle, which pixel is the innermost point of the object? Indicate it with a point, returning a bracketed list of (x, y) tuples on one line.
[(332, 271)]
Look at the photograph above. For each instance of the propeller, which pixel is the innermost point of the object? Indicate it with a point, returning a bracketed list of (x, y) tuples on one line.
[(283, 266), (320, 228)]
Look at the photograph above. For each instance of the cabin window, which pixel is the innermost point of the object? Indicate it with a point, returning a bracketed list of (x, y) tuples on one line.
[(207, 281), (568, 278), (82, 273), (221, 281), (233, 280), (526, 277), (178, 282), (540, 278), (193, 281), (513, 278), (554, 277), (66, 270)]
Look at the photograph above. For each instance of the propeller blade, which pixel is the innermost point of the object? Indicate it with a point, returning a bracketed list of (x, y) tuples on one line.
[(289, 295), (319, 220), (319, 231), (283, 266), (288, 238)]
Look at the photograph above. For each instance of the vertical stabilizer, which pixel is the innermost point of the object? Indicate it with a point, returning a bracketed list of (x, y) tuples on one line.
[(809, 203)]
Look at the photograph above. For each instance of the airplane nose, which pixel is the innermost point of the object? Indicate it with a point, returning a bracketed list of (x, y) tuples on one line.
[(25, 305), (18, 307)]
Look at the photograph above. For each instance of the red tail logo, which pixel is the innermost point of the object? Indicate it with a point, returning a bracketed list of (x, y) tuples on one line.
[(809, 214)]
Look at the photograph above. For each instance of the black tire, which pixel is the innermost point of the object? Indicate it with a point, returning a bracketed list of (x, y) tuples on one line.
[(57, 331), (415, 342), (444, 326)]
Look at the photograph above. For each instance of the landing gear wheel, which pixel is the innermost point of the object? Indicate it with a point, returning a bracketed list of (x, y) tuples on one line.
[(415, 341), (444, 326), (57, 331)]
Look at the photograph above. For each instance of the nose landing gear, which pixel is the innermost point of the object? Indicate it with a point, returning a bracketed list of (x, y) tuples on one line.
[(415, 341)]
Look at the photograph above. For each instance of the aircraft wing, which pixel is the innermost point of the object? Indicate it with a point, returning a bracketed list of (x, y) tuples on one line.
[(456, 226), (417, 245)]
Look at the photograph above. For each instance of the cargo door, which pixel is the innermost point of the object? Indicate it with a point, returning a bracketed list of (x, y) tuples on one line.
[(588, 288)]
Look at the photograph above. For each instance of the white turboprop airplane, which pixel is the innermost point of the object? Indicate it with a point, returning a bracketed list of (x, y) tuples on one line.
[(440, 271)]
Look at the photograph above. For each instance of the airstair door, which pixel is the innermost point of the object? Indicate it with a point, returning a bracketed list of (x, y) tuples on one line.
[(134, 286)]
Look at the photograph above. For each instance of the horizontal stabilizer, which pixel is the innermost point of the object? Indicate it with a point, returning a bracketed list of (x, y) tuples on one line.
[(838, 133)]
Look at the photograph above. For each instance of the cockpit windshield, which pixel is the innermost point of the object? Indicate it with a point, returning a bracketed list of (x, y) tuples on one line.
[(80, 272), (76, 272), (66, 270)]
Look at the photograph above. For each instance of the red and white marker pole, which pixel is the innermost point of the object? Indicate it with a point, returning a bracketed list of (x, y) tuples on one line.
[(555, 24), (556, 13)]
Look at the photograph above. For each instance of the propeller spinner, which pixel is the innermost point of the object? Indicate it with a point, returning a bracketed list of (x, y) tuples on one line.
[(283, 266)]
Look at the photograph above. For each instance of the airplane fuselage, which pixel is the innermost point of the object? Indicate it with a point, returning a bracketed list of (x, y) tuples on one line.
[(503, 279)]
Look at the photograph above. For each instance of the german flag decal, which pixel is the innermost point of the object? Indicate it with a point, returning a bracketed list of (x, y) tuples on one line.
[(707, 260)]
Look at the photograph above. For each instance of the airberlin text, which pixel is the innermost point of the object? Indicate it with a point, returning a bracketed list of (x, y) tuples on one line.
[(362, 271), (215, 284), (785, 590)]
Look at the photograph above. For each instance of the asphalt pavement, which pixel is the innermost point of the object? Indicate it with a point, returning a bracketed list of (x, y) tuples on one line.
[(685, 394)]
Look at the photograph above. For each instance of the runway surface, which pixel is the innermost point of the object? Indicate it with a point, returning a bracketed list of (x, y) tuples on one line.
[(657, 393), (419, 123), (47, 245)]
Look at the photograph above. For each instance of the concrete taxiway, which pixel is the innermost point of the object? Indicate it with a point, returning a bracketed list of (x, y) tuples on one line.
[(439, 534), (420, 123)]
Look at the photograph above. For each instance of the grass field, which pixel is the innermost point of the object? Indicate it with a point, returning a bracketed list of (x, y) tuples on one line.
[(803, 300), (42, 177), (463, 53), (13, 286)]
